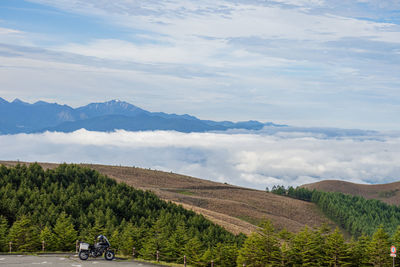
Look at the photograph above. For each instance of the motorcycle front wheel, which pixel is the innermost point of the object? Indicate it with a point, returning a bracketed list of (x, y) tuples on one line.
[(83, 255), (109, 255)]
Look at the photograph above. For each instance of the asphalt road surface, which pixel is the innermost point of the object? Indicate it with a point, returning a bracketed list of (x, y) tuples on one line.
[(63, 261)]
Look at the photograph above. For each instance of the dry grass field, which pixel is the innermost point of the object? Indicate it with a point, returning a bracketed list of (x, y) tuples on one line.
[(389, 193), (237, 209)]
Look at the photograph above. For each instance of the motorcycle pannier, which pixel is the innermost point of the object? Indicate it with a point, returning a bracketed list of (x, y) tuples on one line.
[(84, 246)]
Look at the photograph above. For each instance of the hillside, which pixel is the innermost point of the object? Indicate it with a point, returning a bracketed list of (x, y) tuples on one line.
[(72, 202), (235, 208), (388, 193)]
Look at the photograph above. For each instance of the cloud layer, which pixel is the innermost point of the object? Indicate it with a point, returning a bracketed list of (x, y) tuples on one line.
[(253, 159)]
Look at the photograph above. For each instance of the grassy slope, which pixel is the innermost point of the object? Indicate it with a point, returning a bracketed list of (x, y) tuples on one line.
[(389, 193), (235, 208)]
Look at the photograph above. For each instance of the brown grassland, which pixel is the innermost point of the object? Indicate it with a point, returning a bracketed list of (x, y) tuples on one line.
[(237, 209)]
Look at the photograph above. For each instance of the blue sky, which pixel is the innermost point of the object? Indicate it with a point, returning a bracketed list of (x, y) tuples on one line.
[(299, 62)]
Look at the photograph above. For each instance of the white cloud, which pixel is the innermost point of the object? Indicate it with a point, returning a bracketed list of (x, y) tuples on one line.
[(252, 160), (9, 31)]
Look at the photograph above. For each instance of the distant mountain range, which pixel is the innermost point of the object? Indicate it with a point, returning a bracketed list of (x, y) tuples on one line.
[(21, 117)]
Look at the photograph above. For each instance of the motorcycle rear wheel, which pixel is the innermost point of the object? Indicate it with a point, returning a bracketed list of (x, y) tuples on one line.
[(83, 255), (109, 255)]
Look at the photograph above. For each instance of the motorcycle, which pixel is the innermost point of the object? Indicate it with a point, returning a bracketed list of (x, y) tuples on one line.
[(96, 250)]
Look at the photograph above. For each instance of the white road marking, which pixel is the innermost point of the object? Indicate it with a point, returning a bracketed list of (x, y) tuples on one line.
[(76, 265), (2, 259), (61, 259)]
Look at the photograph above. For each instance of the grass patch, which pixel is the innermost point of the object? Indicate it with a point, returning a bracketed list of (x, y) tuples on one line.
[(253, 221), (387, 194), (184, 192)]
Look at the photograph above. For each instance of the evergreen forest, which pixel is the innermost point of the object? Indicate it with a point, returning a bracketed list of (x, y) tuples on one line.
[(73, 203), (355, 214)]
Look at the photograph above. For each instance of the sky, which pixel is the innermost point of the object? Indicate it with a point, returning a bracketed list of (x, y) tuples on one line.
[(310, 64), (297, 62)]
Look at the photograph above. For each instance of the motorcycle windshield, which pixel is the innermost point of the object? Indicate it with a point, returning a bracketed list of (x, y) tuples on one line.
[(108, 243)]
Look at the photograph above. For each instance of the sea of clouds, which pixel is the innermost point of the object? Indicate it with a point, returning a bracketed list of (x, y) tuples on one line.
[(260, 159)]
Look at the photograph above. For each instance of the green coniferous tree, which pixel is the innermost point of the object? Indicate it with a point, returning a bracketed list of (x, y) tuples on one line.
[(298, 245), (226, 255), (96, 230), (47, 236), (116, 242), (313, 251), (127, 239), (357, 251), (24, 235), (3, 233), (270, 243), (379, 249), (285, 255), (174, 248), (336, 249), (396, 238), (193, 251), (65, 235), (208, 256), (261, 249)]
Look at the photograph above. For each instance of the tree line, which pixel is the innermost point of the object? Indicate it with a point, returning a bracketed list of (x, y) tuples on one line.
[(316, 247), (355, 214)]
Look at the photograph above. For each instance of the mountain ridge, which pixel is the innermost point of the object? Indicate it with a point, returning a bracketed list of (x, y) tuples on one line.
[(22, 117)]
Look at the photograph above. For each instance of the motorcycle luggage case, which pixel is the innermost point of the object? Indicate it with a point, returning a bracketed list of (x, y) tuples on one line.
[(83, 246)]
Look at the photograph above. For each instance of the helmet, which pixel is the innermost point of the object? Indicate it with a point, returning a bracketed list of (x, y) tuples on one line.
[(100, 238)]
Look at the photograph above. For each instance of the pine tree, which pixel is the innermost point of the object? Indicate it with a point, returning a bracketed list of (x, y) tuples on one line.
[(94, 231), (208, 256), (298, 245), (252, 253), (193, 251), (126, 241), (270, 243), (116, 242), (3, 233), (175, 245), (336, 249), (313, 251), (357, 251), (24, 235), (64, 234), (396, 238), (226, 255), (285, 255), (47, 236), (379, 248)]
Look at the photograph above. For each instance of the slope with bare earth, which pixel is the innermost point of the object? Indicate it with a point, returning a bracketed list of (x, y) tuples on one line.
[(389, 193), (237, 209)]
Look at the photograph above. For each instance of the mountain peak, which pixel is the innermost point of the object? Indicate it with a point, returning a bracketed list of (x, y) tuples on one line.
[(19, 101), (41, 103), (3, 101)]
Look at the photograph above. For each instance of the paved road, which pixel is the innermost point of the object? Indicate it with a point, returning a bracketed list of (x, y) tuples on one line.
[(62, 261)]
